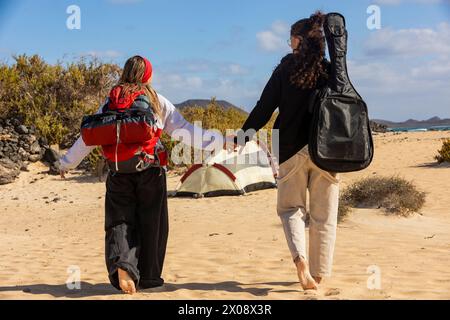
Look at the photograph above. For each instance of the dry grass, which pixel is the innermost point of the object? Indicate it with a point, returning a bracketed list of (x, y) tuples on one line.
[(444, 154), (393, 194)]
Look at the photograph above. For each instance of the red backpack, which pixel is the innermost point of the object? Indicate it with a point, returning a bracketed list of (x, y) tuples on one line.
[(127, 132)]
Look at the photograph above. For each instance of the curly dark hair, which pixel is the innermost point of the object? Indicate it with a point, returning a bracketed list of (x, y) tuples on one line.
[(307, 65)]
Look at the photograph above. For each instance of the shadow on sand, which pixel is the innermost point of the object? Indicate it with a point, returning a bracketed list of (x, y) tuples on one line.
[(85, 178), (105, 289), (433, 165)]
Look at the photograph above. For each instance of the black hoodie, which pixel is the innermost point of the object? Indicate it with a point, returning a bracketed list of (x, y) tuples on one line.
[(293, 120)]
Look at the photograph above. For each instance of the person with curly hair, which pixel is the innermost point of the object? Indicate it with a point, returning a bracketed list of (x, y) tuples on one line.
[(289, 89)]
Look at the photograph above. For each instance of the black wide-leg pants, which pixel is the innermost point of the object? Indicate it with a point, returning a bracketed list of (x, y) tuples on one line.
[(136, 225)]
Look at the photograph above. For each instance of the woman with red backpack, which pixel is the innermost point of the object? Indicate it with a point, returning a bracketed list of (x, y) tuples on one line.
[(136, 214)]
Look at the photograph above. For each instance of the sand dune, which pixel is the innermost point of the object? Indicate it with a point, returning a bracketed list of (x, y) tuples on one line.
[(230, 248)]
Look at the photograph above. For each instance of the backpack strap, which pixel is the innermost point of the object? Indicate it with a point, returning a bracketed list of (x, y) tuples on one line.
[(105, 107), (141, 102)]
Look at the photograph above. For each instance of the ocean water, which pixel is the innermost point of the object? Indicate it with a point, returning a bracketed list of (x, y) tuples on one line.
[(419, 129)]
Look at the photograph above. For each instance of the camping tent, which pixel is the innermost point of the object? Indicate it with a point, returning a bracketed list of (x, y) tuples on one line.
[(248, 169)]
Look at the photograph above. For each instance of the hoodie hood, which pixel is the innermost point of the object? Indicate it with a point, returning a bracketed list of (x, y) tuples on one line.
[(117, 99)]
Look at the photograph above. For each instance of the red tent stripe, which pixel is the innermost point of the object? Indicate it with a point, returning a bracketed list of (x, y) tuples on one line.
[(225, 170), (190, 171)]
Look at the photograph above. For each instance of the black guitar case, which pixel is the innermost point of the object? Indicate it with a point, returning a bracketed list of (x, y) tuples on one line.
[(340, 137)]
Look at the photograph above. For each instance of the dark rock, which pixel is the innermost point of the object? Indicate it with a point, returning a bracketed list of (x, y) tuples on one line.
[(29, 138), (15, 158), (54, 169), (23, 154), (22, 129), (35, 148), (51, 156), (43, 142), (377, 127), (9, 171), (34, 157), (69, 140), (24, 167)]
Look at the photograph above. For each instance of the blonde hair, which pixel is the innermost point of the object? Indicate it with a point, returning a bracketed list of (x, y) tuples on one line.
[(131, 81)]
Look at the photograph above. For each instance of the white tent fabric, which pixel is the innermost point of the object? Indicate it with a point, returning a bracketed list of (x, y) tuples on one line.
[(248, 169)]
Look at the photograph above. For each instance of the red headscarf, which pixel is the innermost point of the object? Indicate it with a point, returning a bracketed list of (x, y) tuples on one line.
[(148, 70)]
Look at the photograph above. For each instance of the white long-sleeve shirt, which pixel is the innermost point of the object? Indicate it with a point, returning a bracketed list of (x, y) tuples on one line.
[(172, 122)]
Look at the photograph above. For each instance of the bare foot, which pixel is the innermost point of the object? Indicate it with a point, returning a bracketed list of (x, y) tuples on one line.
[(306, 280), (125, 282)]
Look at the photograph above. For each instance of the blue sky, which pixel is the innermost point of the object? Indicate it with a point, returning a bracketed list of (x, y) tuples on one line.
[(228, 49)]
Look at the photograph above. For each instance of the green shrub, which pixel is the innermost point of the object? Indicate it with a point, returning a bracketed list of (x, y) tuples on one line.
[(394, 194), (94, 158), (53, 98), (444, 152), (343, 210)]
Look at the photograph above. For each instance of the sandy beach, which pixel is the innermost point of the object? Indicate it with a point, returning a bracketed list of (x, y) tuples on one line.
[(231, 247)]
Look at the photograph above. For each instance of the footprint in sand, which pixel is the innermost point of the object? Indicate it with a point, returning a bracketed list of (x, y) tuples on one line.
[(333, 292)]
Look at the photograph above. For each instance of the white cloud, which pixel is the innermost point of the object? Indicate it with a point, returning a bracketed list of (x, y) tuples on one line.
[(178, 87), (235, 69), (405, 73), (124, 1), (397, 2), (177, 81), (105, 54), (280, 27), (274, 39), (403, 88), (204, 67), (202, 78), (410, 42)]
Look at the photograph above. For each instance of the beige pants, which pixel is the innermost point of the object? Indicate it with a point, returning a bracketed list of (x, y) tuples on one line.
[(297, 175)]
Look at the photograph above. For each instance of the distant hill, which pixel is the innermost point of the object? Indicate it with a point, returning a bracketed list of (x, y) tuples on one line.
[(203, 103), (411, 123)]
